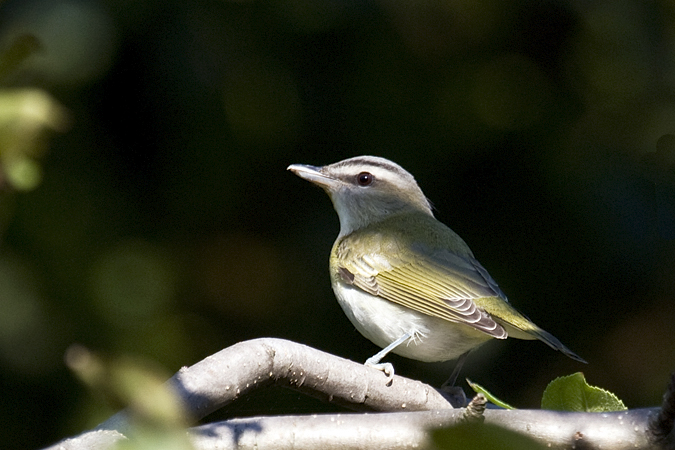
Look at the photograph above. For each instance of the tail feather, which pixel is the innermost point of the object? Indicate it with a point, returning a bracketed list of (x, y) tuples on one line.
[(555, 344), (520, 327)]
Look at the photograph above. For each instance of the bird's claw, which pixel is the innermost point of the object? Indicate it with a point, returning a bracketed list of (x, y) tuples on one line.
[(387, 368)]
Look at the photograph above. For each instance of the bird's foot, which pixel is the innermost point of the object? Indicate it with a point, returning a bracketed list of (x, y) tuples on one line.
[(387, 368), (454, 394)]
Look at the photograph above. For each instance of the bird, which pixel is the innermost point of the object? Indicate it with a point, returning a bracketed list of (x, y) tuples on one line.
[(406, 281)]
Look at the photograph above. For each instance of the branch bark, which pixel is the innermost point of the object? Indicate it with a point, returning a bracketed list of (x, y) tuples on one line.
[(237, 370), (412, 407), (557, 430)]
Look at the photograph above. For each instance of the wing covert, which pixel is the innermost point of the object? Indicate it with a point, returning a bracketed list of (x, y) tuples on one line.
[(442, 286)]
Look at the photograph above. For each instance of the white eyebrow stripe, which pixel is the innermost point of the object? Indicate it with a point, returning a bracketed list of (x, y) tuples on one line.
[(390, 175)]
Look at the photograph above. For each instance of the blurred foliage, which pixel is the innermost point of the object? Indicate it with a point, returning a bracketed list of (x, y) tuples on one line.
[(145, 207), (156, 416), (482, 436), (24, 116), (129, 383)]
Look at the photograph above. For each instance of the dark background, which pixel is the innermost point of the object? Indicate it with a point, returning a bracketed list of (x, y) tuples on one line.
[(162, 222)]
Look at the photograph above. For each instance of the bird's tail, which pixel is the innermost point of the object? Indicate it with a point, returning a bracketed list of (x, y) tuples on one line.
[(555, 344), (520, 327)]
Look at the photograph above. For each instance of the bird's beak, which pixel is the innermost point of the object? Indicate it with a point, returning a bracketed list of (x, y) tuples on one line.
[(313, 174)]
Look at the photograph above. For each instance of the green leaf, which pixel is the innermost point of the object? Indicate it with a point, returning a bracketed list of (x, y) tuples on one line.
[(491, 398), (482, 436), (572, 393)]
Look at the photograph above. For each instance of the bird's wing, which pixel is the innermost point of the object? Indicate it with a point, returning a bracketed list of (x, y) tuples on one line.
[(445, 285)]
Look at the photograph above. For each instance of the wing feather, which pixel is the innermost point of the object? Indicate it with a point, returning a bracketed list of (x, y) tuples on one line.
[(444, 286)]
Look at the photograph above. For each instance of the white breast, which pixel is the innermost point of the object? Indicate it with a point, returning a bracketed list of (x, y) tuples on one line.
[(382, 322)]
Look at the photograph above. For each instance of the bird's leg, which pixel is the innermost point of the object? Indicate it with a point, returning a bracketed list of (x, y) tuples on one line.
[(455, 394), (387, 368), (455, 373)]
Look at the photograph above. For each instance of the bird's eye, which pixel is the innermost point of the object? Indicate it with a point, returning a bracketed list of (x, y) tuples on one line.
[(365, 178)]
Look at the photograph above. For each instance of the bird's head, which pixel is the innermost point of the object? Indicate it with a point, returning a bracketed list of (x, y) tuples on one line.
[(366, 190)]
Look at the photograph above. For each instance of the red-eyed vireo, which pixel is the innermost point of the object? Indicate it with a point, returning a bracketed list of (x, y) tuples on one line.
[(406, 281)]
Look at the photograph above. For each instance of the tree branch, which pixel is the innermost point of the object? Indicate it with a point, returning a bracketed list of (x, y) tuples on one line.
[(243, 367), (412, 406), (610, 431)]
